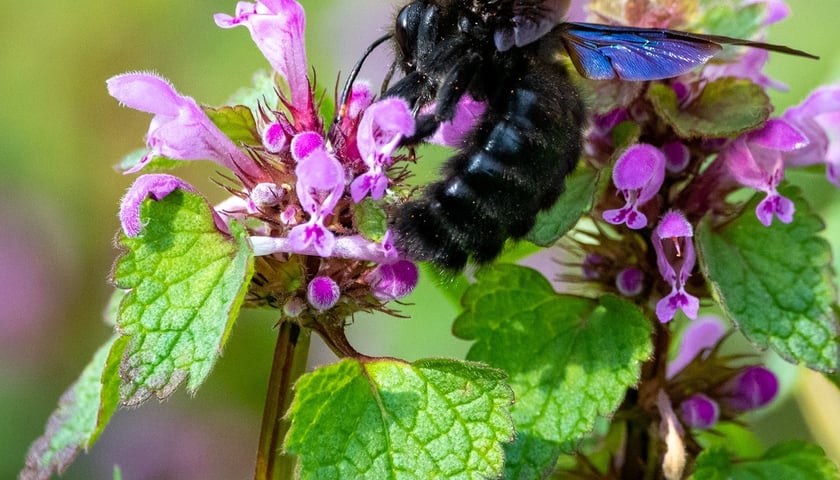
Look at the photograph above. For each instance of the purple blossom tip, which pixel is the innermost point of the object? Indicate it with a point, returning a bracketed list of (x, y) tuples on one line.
[(277, 28), (699, 336), (383, 125), (756, 160), (753, 388), (678, 299), (677, 156), (637, 175), (699, 411), (180, 129), (322, 293), (675, 258), (630, 281), (818, 119), (393, 281), (303, 144), (154, 186), (274, 138)]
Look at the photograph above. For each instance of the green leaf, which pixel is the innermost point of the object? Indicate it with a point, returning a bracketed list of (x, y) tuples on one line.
[(83, 411), (794, 460), (562, 217), (156, 164), (187, 281), (569, 359), (237, 122), (370, 219), (385, 418), (727, 107), (775, 282)]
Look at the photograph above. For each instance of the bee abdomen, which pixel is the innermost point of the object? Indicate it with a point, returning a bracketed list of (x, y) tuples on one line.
[(511, 167)]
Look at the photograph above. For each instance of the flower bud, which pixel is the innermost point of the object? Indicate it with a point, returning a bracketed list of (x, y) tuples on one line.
[(630, 281), (753, 388), (322, 293), (394, 281), (699, 411)]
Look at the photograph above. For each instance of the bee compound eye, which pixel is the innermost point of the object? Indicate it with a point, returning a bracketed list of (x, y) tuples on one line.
[(407, 28)]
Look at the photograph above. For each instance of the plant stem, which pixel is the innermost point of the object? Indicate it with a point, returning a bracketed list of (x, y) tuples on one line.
[(289, 363)]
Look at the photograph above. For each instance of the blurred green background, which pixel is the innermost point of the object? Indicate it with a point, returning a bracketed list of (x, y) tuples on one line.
[(61, 135)]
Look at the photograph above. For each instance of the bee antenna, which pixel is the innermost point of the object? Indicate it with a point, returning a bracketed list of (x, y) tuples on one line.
[(345, 92)]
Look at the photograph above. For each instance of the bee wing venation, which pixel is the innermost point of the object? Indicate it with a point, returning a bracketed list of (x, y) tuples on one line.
[(603, 52)]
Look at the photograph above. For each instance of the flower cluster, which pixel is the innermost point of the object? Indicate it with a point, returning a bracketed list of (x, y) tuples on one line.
[(300, 186), (670, 171), (726, 391)]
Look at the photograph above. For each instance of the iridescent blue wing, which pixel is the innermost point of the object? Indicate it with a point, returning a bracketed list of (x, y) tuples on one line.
[(602, 52)]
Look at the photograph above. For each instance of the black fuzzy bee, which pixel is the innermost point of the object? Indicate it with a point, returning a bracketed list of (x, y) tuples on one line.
[(513, 164)]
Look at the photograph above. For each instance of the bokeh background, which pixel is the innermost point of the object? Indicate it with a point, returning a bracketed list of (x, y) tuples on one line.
[(60, 135)]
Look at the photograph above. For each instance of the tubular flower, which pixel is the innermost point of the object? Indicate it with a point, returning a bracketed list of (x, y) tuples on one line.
[(818, 119), (294, 172), (755, 160), (383, 125), (699, 411), (320, 184), (675, 258), (638, 174), (277, 28), (751, 389), (180, 129), (699, 337)]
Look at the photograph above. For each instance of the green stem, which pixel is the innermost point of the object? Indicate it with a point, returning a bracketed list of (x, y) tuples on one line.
[(288, 365)]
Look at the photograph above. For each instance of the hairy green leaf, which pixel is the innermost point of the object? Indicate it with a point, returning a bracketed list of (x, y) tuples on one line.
[(569, 359), (727, 107), (83, 411), (237, 122), (389, 419), (792, 460), (187, 281), (776, 282), (370, 219), (576, 200)]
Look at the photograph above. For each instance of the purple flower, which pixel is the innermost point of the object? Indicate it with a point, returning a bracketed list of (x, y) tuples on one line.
[(180, 129), (675, 259), (700, 336), (274, 137), (677, 156), (322, 293), (393, 281), (818, 118), (277, 27), (382, 127), (630, 281), (155, 186), (755, 160), (699, 411), (319, 187), (637, 175), (753, 388), (467, 114)]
